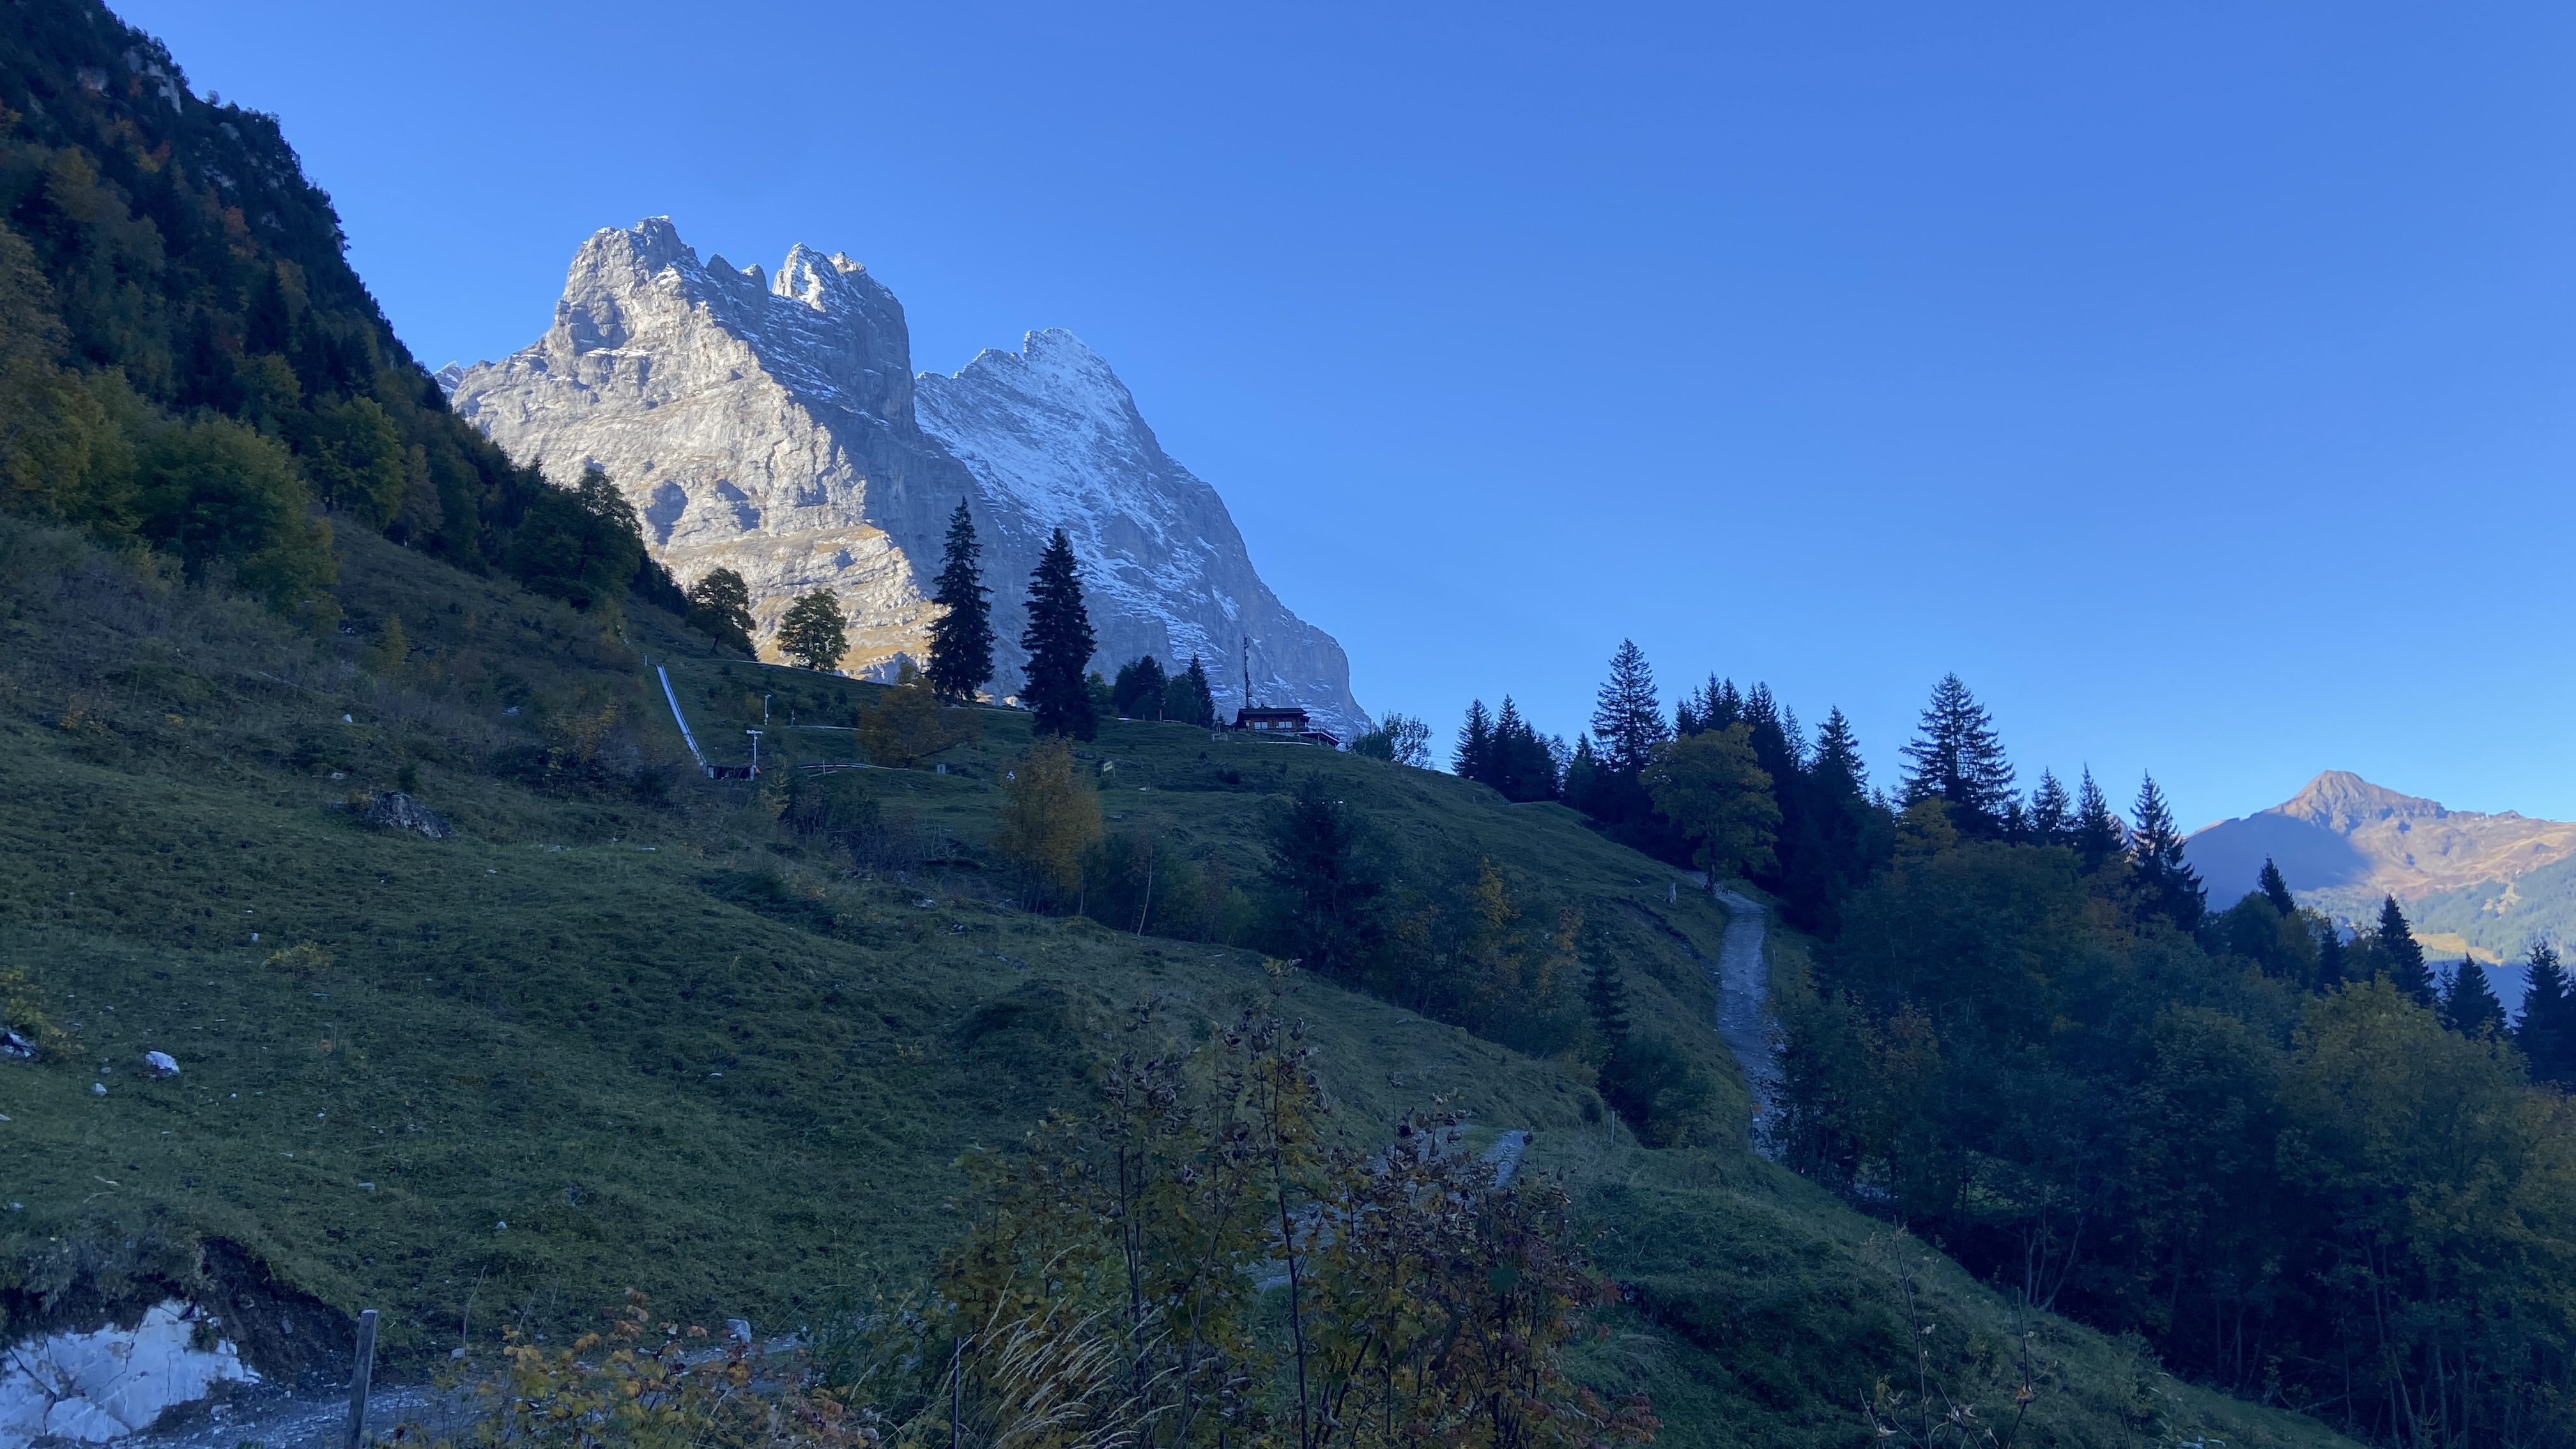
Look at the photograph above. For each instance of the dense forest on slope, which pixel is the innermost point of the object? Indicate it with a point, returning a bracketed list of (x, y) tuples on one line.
[(2305, 1165), (188, 361)]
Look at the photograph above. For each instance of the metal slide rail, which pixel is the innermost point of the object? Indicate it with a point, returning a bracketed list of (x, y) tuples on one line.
[(682, 721)]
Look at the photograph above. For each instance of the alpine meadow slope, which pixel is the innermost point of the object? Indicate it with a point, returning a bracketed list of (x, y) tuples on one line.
[(748, 1046), (632, 1028)]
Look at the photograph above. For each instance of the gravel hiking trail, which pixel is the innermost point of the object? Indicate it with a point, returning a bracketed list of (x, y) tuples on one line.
[(1742, 980)]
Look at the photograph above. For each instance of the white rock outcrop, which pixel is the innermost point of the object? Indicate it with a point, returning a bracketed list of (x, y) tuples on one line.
[(93, 1387), (774, 427)]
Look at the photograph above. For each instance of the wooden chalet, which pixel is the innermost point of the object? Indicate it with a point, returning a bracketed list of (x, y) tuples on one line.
[(1285, 723)]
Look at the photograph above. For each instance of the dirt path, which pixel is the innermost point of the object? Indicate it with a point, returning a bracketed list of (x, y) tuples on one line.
[(289, 1419), (1742, 979)]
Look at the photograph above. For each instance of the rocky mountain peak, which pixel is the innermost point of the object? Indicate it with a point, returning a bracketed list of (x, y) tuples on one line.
[(2343, 843), (2343, 801), (775, 427)]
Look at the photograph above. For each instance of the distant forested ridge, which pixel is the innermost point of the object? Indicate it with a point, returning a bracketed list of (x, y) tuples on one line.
[(2315, 1169)]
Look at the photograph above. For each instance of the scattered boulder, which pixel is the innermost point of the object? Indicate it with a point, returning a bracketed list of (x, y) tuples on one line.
[(161, 1063), (401, 812), (16, 1048)]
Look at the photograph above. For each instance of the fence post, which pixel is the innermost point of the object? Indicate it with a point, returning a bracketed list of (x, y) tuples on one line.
[(358, 1380)]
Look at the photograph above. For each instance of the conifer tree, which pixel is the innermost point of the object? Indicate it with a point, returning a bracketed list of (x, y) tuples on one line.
[(2547, 1028), (1627, 718), (1776, 739), (2276, 890), (2099, 840), (2166, 885), (1583, 775), (2469, 1004), (2330, 966), (1140, 688), (2051, 820), (1474, 757), (2405, 958), (961, 638), (1838, 768), (1059, 644), (1334, 889), (1521, 764), (1188, 699), (1513, 741), (267, 325), (1959, 760), (1605, 993), (1713, 706), (1510, 733)]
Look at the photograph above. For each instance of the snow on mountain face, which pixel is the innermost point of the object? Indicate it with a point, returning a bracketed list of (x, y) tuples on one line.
[(1055, 441), (770, 427)]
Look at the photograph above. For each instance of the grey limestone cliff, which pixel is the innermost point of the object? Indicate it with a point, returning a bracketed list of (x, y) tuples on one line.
[(774, 427)]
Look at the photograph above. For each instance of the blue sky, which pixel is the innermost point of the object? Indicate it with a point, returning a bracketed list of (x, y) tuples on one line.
[(2195, 380)]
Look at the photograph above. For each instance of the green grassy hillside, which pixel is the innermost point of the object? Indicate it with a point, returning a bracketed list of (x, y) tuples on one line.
[(628, 1028)]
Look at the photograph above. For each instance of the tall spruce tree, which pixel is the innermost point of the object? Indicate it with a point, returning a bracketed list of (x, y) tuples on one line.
[(1828, 806), (1713, 706), (1189, 699), (1582, 782), (2403, 957), (1838, 769), (1059, 644), (2167, 886), (2099, 840), (1521, 764), (1605, 995), (2276, 890), (2546, 1030), (1473, 759), (2051, 820), (1331, 883), (1627, 718), (1777, 741), (961, 637), (1959, 760), (2469, 1004), (2330, 962)]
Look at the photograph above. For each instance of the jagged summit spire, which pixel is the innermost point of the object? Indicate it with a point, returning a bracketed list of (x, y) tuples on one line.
[(775, 427), (820, 281)]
